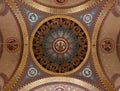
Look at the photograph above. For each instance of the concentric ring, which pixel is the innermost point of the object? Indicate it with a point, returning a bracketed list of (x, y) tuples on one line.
[(60, 45)]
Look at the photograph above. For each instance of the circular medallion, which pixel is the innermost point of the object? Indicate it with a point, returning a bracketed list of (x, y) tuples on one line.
[(87, 18), (59, 45), (87, 72), (12, 44), (32, 72), (32, 17), (107, 45)]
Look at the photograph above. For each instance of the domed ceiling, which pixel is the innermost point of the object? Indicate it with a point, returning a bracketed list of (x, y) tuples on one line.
[(59, 45)]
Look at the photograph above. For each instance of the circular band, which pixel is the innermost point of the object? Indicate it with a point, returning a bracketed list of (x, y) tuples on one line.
[(31, 45)]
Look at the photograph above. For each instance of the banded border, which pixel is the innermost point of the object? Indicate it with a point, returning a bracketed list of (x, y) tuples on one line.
[(75, 9), (58, 79), (107, 84), (21, 66)]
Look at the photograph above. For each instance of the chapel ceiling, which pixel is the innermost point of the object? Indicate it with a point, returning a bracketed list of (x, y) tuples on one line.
[(59, 45)]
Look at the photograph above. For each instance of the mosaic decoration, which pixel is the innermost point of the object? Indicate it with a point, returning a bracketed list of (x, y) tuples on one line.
[(60, 45)]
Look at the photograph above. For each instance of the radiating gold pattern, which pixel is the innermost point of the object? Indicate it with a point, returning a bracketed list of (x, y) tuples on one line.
[(64, 68), (59, 79), (25, 50), (103, 78), (61, 11), (60, 45)]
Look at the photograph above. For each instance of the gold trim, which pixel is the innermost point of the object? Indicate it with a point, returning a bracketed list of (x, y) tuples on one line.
[(43, 81), (100, 73), (53, 17), (17, 74), (43, 8)]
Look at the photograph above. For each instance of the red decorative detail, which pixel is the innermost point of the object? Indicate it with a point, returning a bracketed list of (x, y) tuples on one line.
[(60, 45), (107, 45), (61, 2), (12, 44)]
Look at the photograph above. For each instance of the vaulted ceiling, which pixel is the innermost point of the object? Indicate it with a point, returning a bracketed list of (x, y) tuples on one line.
[(59, 45)]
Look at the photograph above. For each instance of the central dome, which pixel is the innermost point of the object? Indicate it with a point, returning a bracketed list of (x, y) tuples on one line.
[(60, 45)]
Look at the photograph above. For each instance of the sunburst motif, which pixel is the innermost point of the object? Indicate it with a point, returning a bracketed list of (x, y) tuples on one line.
[(60, 45)]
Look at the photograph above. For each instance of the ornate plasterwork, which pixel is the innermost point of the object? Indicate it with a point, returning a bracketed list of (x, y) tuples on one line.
[(68, 13)]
